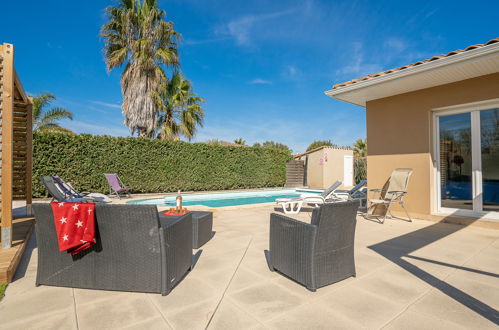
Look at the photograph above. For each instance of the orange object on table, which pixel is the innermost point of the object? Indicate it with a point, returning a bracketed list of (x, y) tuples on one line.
[(175, 212)]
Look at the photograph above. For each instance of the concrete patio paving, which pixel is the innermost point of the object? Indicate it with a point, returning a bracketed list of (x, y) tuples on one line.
[(419, 275)]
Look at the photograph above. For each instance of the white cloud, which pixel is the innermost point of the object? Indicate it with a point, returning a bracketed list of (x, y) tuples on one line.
[(291, 72), (109, 105), (259, 81), (395, 45), (241, 28), (357, 65)]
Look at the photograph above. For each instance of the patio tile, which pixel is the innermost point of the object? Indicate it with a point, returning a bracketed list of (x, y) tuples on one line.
[(116, 312), (366, 308), (486, 293), (85, 296), (194, 316), (394, 284), (424, 322), (189, 292), (156, 323), (62, 319), (440, 305), (265, 301), (306, 294), (41, 300), (312, 316), (244, 278), (229, 316)]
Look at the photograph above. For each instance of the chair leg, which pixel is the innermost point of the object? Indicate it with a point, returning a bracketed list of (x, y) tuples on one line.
[(407, 213)]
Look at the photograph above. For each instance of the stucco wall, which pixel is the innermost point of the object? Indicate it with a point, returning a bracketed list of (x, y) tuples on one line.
[(333, 168), (321, 175), (399, 134)]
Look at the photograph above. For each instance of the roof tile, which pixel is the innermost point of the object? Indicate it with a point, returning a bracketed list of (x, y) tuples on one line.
[(431, 59)]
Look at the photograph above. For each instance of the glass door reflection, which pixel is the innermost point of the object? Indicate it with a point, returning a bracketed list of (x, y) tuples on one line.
[(489, 136), (455, 161)]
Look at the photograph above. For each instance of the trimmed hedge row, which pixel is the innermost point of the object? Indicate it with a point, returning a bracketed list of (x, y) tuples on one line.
[(153, 165)]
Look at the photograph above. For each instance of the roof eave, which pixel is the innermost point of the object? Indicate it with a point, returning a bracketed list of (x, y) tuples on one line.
[(465, 56)]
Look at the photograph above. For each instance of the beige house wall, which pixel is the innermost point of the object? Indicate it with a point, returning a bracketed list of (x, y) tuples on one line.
[(399, 134), (322, 176)]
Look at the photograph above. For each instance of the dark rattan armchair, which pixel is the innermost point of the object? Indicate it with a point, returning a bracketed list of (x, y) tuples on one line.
[(133, 251), (319, 253)]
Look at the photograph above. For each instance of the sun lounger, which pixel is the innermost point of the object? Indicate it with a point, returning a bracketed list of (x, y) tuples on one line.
[(293, 205), (116, 186)]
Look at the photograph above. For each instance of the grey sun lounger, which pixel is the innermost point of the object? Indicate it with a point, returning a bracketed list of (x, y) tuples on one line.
[(356, 193), (133, 251), (318, 253), (63, 192)]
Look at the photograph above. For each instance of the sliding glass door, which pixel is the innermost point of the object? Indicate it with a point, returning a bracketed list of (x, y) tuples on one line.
[(489, 135), (468, 160)]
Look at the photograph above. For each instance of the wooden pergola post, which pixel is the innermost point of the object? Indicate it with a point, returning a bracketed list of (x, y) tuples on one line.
[(7, 132), (16, 143)]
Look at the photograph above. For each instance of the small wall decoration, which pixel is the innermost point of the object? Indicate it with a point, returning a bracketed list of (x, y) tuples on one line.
[(323, 159)]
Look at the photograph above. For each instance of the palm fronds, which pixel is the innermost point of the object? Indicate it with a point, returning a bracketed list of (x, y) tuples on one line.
[(180, 109), (138, 37), (47, 120)]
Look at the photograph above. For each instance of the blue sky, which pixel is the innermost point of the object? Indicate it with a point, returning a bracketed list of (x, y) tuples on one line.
[(262, 66)]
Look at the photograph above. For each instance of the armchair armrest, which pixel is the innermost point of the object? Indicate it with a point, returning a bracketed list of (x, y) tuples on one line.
[(292, 244), (177, 249)]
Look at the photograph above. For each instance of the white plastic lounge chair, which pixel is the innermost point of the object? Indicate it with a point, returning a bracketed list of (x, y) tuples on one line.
[(393, 192), (356, 193), (293, 205)]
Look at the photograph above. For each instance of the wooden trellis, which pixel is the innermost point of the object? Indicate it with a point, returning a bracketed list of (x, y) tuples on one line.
[(16, 142)]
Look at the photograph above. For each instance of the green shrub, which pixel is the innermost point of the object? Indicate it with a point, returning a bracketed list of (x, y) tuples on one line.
[(3, 287), (360, 169), (153, 165)]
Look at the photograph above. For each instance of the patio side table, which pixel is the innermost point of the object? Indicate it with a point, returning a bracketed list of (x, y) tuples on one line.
[(202, 224)]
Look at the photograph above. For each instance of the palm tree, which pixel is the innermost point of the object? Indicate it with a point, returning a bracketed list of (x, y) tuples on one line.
[(138, 37), (47, 120), (360, 148), (180, 109)]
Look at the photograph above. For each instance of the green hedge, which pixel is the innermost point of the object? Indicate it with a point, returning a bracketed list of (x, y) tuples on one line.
[(153, 165)]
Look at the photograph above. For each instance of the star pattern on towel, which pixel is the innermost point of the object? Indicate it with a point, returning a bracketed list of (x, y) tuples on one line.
[(75, 225)]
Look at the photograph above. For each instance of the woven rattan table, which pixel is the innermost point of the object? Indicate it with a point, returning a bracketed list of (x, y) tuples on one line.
[(202, 224)]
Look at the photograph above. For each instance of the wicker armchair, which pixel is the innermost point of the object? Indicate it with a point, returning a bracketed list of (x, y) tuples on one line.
[(133, 251), (319, 253)]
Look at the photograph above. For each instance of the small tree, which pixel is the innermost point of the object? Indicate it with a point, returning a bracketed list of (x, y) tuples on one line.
[(214, 142), (240, 141), (276, 145), (317, 144), (360, 148)]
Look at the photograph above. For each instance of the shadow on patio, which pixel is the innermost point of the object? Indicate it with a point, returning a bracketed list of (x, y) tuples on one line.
[(398, 250)]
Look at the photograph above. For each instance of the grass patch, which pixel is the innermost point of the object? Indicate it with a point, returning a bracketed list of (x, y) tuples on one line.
[(2, 290)]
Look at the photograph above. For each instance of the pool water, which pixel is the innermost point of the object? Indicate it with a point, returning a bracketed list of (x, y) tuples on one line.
[(226, 199)]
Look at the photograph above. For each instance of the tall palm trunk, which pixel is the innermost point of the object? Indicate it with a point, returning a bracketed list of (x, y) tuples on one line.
[(138, 108)]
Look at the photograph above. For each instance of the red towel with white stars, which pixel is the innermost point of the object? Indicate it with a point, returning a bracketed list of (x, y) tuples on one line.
[(75, 225)]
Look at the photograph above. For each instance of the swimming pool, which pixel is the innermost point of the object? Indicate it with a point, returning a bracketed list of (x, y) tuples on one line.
[(227, 198)]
